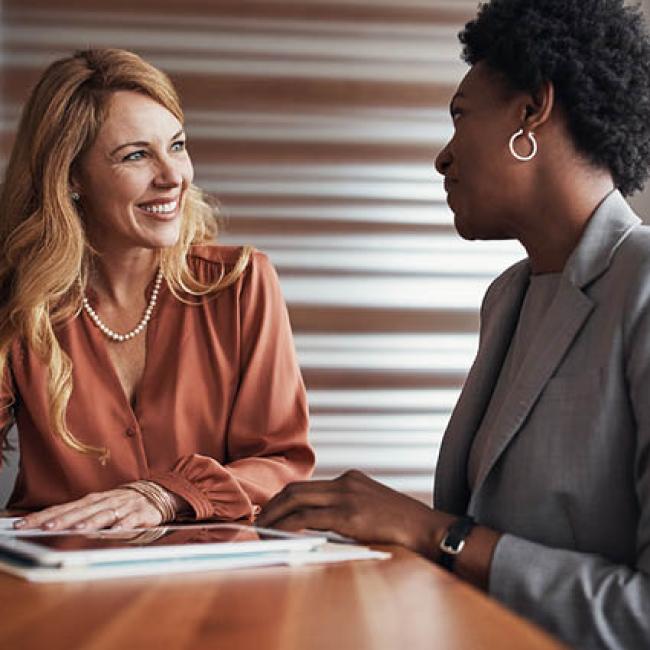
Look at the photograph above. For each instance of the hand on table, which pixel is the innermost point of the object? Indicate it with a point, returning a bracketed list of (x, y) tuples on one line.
[(119, 508), (356, 506)]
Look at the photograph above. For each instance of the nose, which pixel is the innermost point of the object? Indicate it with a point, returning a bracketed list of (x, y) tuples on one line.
[(168, 173), (443, 160)]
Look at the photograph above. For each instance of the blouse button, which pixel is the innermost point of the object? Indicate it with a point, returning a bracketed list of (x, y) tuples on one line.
[(130, 432)]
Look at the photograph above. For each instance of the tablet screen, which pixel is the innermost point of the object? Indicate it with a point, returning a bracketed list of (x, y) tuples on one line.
[(160, 536), (152, 543)]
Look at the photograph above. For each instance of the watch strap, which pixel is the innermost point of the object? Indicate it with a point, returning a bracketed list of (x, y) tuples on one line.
[(454, 541)]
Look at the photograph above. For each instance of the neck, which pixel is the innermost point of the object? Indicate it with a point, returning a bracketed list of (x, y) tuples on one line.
[(551, 232), (121, 278)]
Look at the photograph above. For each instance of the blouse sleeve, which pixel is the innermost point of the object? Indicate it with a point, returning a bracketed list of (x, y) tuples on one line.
[(267, 431)]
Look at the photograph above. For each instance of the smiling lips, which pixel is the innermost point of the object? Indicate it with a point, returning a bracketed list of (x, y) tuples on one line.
[(160, 208)]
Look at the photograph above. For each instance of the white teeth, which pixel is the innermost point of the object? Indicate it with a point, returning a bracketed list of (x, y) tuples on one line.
[(161, 208)]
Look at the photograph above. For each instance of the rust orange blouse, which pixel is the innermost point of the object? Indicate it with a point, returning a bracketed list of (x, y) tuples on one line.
[(220, 416)]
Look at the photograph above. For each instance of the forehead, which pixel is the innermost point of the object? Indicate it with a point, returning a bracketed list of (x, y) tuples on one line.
[(134, 116), (481, 83)]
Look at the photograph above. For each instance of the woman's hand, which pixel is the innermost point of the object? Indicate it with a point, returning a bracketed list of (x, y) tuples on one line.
[(119, 508), (356, 506)]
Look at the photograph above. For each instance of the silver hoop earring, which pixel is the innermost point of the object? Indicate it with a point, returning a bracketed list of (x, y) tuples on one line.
[(75, 196), (533, 144)]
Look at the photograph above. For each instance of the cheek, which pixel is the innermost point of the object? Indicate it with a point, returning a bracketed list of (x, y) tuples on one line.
[(128, 185), (188, 171), (492, 168)]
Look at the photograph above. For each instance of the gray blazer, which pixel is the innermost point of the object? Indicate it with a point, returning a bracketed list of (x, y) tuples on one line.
[(567, 478)]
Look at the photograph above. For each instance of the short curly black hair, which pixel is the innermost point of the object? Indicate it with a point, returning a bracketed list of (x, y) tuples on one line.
[(597, 55)]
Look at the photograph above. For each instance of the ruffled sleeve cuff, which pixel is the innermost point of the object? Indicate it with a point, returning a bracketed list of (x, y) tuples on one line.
[(211, 491)]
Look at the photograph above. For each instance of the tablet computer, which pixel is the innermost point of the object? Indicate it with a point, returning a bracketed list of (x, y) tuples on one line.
[(76, 549)]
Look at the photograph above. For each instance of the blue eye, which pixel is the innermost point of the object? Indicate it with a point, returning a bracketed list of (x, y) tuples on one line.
[(179, 145), (135, 155)]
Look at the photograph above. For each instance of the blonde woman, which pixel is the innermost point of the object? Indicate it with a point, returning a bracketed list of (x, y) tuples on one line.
[(150, 372)]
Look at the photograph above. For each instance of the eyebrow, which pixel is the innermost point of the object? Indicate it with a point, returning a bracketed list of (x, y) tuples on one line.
[(142, 143)]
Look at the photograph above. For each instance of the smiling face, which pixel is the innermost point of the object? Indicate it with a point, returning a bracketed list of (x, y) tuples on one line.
[(484, 182), (133, 178)]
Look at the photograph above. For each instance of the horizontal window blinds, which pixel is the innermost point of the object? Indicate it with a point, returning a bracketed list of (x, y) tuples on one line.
[(316, 125)]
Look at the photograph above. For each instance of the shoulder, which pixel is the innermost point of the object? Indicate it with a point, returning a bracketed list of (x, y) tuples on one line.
[(628, 275), (220, 256), (256, 283), (636, 246), (210, 261), (629, 268)]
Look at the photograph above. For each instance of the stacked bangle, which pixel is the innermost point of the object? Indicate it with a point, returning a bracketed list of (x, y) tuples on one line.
[(157, 496)]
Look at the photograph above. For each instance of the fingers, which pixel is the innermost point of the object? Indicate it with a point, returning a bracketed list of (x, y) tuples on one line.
[(314, 518), (295, 497), (114, 509), (81, 519), (336, 495), (353, 505), (48, 518), (128, 509), (144, 515)]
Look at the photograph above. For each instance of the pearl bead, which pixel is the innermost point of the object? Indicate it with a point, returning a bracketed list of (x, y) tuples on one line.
[(146, 317)]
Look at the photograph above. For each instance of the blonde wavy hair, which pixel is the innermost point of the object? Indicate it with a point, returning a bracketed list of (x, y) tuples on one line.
[(45, 255)]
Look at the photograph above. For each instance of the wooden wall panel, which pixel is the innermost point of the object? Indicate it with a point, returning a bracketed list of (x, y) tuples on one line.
[(316, 123)]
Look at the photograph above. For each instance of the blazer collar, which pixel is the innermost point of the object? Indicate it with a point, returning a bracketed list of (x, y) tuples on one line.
[(608, 227)]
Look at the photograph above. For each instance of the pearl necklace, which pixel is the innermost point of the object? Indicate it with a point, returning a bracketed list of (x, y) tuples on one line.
[(146, 317)]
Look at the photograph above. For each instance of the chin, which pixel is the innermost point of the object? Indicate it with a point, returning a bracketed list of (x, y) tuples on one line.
[(163, 242), (165, 237), (462, 228)]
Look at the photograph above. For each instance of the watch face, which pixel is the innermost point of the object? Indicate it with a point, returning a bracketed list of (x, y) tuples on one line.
[(451, 545), (454, 541)]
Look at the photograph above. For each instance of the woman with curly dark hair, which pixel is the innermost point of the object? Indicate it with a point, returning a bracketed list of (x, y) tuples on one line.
[(542, 492)]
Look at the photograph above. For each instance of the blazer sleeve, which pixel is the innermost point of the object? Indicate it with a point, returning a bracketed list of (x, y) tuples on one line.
[(268, 424), (584, 597)]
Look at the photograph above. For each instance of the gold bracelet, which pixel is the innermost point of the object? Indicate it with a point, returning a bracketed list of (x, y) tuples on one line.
[(157, 496), (162, 497)]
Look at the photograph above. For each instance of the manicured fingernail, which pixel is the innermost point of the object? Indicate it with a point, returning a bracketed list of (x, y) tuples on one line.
[(48, 525), (80, 526), (19, 523), (116, 527)]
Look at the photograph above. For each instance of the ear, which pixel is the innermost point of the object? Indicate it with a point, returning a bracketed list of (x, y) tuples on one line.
[(74, 184), (537, 109)]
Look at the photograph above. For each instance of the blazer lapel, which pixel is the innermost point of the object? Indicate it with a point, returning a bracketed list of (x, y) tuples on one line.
[(451, 492), (566, 316)]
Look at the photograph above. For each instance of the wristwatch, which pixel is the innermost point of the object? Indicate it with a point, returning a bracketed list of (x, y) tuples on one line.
[(454, 541)]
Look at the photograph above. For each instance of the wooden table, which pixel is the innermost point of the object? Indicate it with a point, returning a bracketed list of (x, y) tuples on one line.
[(400, 604)]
